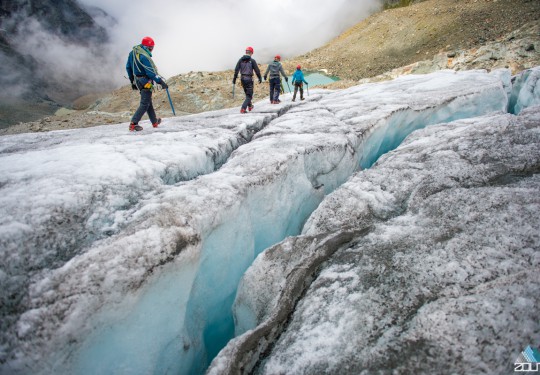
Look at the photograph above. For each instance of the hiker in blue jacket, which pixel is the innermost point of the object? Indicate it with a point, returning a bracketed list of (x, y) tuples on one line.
[(298, 81), (246, 66), (142, 73), (275, 69)]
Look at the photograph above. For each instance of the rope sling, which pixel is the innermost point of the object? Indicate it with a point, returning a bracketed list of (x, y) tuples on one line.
[(138, 50)]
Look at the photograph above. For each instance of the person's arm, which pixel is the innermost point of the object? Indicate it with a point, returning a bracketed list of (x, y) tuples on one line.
[(283, 73), (236, 70), (266, 73), (129, 68), (149, 71), (256, 69)]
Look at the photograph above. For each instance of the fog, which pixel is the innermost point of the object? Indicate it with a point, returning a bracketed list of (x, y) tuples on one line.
[(211, 35), (207, 35)]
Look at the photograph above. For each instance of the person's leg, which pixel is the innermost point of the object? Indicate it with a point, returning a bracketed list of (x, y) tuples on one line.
[(146, 101), (301, 92), (248, 90), (272, 88), (151, 112), (295, 91), (277, 90), (250, 94)]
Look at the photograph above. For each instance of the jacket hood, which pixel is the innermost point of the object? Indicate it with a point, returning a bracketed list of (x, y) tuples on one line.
[(246, 58)]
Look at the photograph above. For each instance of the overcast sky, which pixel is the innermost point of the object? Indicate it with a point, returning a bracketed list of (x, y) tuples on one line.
[(213, 34)]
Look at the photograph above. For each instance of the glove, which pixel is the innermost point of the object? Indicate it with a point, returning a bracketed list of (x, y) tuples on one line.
[(234, 81), (164, 86), (260, 80), (134, 86), (286, 79), (265, 78)]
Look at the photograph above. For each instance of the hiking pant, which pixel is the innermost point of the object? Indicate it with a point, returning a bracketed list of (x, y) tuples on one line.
[(275, 88), (298, 85), (247, 85), (144, 107)]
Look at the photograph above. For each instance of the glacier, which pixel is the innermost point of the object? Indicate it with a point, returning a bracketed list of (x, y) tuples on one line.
[(123, 253)]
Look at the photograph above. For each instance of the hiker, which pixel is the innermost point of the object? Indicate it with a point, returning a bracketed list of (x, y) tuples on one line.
[(246, 65), (143, 73), (275, 69), (298, 81)]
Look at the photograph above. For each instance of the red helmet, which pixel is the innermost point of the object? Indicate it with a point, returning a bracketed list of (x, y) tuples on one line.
[(298, 67), (278, 57), (249, 49), (147, 41)]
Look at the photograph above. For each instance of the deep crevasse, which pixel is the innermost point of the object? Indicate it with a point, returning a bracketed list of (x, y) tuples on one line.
[(205, 232)]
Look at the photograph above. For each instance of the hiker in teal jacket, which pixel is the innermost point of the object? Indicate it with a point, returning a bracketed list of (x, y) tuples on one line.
[(298, 81), (142, 73)]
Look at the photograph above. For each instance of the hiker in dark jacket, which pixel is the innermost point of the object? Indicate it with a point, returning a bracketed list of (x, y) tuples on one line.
[(298, 81), (275, 69), (246, 66), (142, 73)]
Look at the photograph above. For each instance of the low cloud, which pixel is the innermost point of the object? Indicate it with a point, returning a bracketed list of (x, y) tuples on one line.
[(213, 34), (206, 35), (75, 68)]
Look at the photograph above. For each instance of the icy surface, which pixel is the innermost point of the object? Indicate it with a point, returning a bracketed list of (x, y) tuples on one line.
[(126, 249), (526, 90), (446, 280)]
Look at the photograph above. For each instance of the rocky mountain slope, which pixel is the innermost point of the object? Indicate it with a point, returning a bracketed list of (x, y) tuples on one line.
[(32, 33), (402, 36), (419, 38)]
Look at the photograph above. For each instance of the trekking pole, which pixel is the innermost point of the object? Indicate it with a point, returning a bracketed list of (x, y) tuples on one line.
[(288, 86), (170, 101), (233, 90), (307, 88)]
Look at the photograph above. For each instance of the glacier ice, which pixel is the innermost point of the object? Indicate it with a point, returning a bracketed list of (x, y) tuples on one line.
[(525, 90), (129, 247), (444, 280)]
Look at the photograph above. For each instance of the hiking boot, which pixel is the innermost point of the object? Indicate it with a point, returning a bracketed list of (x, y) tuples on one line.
[(155, 124), (242, 110), (277, 101), (134, 127), (294, 100), (301, 98), (250, 107)]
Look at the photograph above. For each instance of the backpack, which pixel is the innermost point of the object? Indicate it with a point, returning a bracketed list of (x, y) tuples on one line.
[(246, 68)]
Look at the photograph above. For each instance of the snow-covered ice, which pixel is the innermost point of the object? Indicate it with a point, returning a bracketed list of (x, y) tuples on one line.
[(122, 253), (446, 278)]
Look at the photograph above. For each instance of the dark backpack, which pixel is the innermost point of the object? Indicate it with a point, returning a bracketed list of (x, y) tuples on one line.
[(246, 68)]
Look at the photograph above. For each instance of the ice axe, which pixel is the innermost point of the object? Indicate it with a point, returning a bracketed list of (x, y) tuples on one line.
[(287, 82), (170, 101)]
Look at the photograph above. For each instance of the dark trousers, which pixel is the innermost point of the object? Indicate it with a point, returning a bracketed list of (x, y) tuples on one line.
[(145, 107), (298, 86), (247, 85), (275, 88)]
